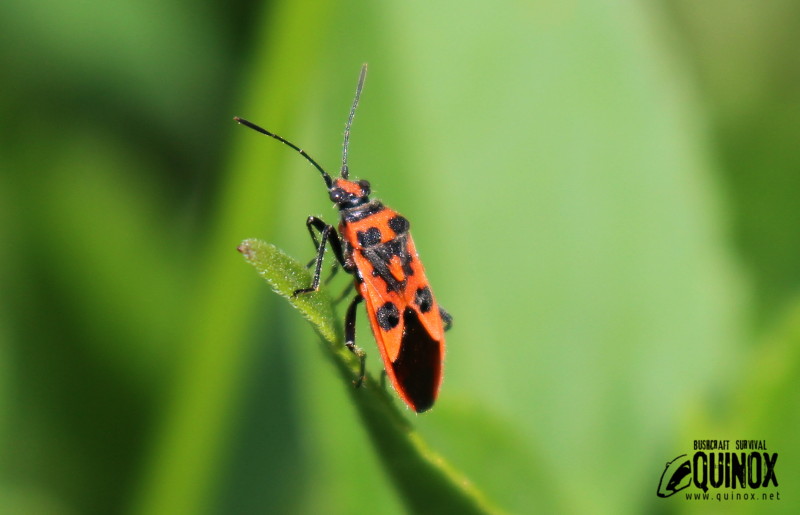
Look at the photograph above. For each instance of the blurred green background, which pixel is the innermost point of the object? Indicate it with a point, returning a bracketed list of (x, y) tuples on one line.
[(604, 195)]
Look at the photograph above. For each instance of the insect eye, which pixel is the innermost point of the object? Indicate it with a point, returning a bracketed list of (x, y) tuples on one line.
[(337, 195), (364, 186)]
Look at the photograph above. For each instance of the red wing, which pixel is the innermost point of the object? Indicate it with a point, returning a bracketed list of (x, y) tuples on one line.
[(418, 295), (408, 328)]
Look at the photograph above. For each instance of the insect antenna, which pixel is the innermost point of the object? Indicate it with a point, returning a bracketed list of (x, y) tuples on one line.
[(325, 176), (345, 170)]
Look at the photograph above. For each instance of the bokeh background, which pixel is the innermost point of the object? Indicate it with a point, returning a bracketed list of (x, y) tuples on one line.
[(605, 195)]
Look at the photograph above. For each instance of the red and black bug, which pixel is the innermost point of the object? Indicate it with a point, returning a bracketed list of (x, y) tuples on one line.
[(374, 244)]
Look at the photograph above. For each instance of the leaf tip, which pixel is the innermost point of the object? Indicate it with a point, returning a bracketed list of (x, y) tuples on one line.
[(246, 249)]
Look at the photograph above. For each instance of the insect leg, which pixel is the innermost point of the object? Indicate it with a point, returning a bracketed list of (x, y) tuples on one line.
[(327, 233), (446, 318), (383, 379), (350, 337), (312, 222), (320, 225)]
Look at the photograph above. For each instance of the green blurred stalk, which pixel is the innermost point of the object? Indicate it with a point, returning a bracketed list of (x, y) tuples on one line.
[(179, 473)]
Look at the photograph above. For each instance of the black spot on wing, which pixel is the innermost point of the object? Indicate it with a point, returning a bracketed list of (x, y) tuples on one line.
[(407, 268), (399, 224), (419, 364), (370, 237), (388, 316), (423, 298)]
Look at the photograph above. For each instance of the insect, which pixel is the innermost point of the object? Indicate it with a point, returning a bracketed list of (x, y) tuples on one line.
[(373, 244)]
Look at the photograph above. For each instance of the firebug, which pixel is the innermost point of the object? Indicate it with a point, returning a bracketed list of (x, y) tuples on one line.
[(373, 243)]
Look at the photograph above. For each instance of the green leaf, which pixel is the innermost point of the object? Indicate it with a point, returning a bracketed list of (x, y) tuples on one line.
[(286, 275), (425, 481)]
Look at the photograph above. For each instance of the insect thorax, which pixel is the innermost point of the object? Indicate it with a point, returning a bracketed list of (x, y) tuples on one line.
[(354, 214)]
